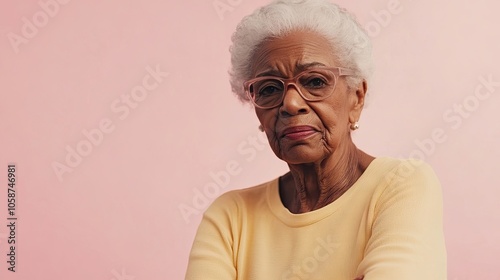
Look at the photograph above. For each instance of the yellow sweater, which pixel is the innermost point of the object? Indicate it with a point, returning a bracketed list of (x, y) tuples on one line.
[(387, 226)]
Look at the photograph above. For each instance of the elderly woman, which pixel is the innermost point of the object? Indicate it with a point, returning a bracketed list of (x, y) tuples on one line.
[(339, 213)]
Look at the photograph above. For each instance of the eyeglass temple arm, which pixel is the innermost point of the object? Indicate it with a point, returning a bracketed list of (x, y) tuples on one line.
[(345, 72)]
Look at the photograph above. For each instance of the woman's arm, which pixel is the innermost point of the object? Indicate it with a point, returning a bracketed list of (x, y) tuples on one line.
[(407, 240), (211, 256)]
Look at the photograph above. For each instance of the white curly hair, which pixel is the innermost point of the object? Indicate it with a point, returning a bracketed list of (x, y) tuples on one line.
[(352, 45)]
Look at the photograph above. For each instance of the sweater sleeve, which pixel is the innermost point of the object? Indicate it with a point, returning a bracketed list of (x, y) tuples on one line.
[(211, 256), (407, 240)]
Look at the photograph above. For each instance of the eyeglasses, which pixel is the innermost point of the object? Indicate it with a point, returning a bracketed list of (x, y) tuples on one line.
[(313, 85)]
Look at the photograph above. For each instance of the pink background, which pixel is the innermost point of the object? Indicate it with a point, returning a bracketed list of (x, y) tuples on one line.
[(117, 214)]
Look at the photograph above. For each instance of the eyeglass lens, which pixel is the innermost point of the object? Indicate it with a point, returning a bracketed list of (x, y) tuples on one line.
[(314, 85)]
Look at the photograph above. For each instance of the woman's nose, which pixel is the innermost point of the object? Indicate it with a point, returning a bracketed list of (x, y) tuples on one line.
[(293, 102)]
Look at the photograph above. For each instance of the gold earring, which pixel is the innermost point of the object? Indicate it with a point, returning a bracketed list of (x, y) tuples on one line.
[(354, 126), (261, 128)]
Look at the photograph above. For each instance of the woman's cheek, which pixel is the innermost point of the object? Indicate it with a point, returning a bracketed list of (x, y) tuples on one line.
[(273, 141)]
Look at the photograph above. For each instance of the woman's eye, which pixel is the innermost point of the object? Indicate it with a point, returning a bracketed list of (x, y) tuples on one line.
[(269, 89), (315, 83)]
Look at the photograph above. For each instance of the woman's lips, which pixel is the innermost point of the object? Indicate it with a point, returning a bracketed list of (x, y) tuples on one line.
[(298, 132)]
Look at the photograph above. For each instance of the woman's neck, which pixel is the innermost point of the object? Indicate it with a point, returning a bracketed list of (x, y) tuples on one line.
[(309, 187)]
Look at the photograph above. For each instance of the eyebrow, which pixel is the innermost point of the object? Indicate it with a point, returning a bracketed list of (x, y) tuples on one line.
[(300, 67), (310, 65)]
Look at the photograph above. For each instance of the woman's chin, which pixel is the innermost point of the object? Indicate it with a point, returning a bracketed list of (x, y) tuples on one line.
[(302, 155)]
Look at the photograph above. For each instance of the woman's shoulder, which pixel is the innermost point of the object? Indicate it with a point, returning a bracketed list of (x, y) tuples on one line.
[(405, 176), (243, 198), (390, 167), (403, 168)]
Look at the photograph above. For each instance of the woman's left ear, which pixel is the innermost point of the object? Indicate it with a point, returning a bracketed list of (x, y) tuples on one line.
[(359, 102)]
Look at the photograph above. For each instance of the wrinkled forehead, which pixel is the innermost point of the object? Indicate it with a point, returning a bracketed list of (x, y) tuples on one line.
[(291, 54)]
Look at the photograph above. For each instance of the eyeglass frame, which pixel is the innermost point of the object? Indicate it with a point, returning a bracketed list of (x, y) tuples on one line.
[(337, 73)]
